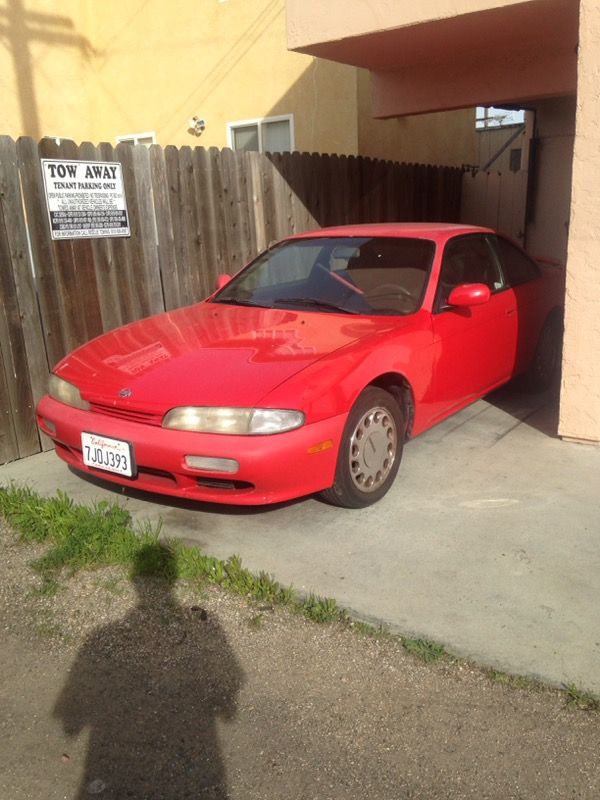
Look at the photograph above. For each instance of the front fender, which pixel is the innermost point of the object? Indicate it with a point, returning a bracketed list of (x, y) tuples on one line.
[(331, 385)]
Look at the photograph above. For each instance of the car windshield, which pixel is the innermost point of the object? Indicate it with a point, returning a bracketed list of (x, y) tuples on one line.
[(350, 275)]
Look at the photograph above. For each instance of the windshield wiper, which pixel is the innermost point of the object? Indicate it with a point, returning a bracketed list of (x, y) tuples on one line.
[(237, 301), (314, 303)]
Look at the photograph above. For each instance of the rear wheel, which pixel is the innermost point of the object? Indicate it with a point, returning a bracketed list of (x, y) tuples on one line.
[(370, 451), (545, 367)]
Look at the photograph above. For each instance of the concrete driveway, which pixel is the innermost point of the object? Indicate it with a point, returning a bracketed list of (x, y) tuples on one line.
[(489, 541)]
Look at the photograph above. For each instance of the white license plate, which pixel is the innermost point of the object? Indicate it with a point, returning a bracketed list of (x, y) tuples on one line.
[(111, 455)]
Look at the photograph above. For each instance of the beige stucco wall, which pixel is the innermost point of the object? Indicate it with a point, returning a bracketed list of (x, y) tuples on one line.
[(580, 397), (548, 226), (445, 54), (338, 19), (519, 76), (443, 138)]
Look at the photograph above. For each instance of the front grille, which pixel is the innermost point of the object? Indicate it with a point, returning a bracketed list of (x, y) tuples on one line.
[(226, 485), (128, 414)]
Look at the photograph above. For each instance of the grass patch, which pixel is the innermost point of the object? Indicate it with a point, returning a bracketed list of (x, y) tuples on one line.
[(581, 699), (423, 649), (100, 535), (48, 588), (372, 631), (323, 609), (81, 537), (513, 681)]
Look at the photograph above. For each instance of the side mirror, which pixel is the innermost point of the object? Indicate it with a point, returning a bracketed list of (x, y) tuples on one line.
[(223, 280), (469, 294)]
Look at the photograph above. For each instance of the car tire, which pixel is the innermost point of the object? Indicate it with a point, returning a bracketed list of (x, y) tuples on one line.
[(370, 450), (545, 367)]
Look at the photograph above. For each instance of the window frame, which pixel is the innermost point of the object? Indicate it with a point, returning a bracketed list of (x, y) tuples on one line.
[(488, 238), (259, 122), (134, 138)]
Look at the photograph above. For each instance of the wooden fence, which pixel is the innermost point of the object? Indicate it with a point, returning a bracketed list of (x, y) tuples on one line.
[(194, 213)]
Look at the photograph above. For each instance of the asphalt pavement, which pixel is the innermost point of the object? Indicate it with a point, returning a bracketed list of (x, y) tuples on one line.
[(488, 542)]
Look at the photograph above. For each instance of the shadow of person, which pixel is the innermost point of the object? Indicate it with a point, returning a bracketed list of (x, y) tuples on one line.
[(150, 688)]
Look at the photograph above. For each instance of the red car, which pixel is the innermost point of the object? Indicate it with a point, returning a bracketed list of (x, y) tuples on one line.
[(309, 369)]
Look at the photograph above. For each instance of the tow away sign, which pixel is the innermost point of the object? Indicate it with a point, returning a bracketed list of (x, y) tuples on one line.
[(85, 199)]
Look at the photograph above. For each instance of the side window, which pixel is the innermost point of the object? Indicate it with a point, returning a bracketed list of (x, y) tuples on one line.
[(467, 259), (517, 267), (266, 135)]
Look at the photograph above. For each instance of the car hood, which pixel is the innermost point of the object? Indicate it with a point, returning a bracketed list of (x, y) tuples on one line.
[(208, 355)]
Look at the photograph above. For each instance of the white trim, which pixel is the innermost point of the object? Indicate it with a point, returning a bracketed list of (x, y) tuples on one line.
[(259, 121), (136, 137)]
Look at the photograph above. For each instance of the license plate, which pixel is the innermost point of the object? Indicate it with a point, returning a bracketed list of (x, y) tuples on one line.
[(111, 455)]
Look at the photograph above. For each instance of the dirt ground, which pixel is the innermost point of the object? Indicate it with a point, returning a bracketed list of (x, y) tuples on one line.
[(151, 691)]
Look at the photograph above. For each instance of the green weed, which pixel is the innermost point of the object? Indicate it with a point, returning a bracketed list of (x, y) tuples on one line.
[(322, 609), (580, 698), (48, 588), (85, 537), (372, 631), (423, 649), (78, 536), (513, 681)]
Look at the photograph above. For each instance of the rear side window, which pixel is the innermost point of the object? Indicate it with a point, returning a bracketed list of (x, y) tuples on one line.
[(517, 267)]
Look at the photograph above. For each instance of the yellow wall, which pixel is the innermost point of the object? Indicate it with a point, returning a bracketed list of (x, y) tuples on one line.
[(46, 55), (91, 70), (220, 61)]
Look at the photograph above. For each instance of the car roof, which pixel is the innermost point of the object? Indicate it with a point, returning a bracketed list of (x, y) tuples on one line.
[(437, 231)]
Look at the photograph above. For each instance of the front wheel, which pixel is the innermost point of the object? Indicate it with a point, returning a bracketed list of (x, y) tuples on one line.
[(370, 451)]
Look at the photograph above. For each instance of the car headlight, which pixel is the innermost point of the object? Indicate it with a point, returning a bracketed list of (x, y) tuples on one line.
[(65, 392), (239, 421)]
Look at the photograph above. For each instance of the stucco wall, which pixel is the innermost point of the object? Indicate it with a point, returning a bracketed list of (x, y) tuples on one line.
[(221, 61), (444, 138), (548, 227), (580, 398), (46, 54), (92, 70), (338, 19)]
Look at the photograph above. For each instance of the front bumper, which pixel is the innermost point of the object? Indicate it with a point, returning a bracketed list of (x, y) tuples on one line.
[(272, 468)]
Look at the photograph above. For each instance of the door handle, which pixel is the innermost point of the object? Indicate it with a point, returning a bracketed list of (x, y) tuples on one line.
[(510, 312)]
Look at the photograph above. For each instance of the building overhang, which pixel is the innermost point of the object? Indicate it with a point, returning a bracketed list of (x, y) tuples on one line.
[(432, 57)]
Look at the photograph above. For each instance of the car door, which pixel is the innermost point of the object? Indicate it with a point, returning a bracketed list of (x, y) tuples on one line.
[(523, 276), (475, 347)]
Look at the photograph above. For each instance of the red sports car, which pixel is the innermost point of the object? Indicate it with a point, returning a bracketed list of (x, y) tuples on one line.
[(309, 369)]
